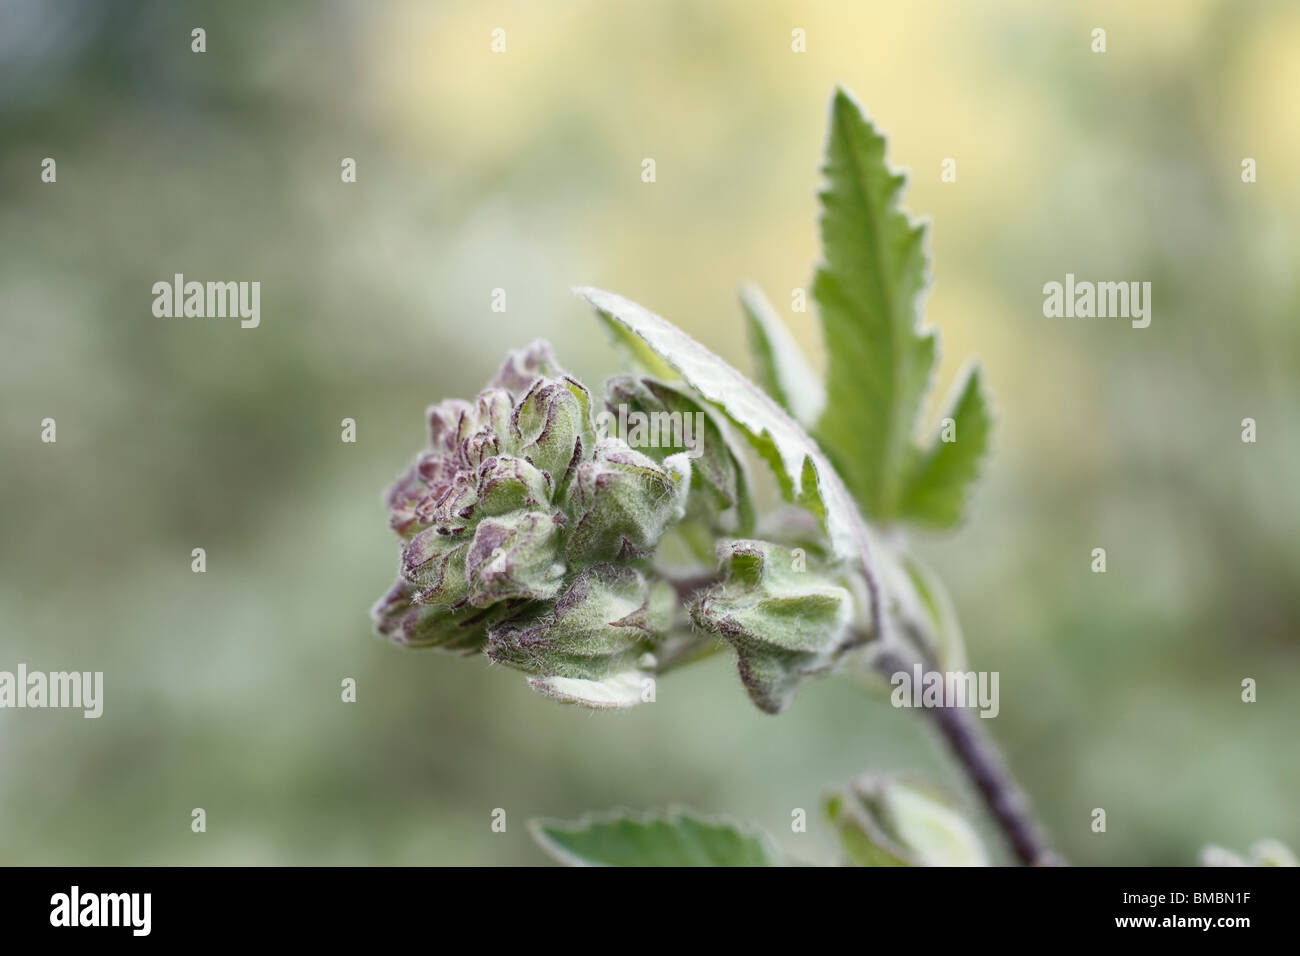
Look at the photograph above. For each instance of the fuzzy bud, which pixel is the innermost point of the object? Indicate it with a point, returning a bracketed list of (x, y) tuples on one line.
[(509, 520), (785, 622), (661, 420), (603, 625)]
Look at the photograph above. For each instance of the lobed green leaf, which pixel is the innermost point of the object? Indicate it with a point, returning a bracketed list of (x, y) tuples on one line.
[(938, 479), (879, 362)]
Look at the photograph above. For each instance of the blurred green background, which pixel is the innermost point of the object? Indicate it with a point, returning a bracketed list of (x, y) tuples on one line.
[(522, 171)]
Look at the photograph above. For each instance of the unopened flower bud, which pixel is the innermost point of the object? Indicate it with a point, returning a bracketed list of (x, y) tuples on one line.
[(604, 624), (622, 501), (403, 621), (512, 515), (660, 420), (786, 622)]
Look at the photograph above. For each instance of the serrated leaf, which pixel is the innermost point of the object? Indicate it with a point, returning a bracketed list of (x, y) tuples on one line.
[(802, 471), (782, 369), (867, 292), (677, 838), (939, 478)]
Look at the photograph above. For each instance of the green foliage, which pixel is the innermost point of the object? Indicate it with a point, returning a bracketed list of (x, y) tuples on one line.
[(901, 821), (572, 516), (805, 476), (937, 478), (867, 291), (920, 603), (782, 369), (677, 838), (880, 820), (880, 363)]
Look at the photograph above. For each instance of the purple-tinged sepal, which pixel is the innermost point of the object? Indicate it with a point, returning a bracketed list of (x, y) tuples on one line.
[(621, 502), (605, 624)]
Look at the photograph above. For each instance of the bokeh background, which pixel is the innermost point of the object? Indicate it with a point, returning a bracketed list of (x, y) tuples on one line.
[(522, 171)]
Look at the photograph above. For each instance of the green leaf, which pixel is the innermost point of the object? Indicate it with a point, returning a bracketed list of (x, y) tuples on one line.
[(898, 820), (938, 479), (678, 838), (640, 355), (933, 829), (802, 471), (860, 839), (867, 292), (782, 369), (923, 608)]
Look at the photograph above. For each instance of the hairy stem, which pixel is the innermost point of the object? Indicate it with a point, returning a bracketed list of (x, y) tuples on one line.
[(987, 771)]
